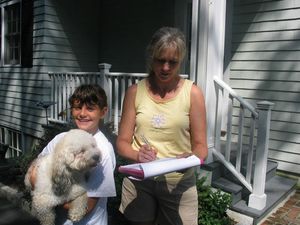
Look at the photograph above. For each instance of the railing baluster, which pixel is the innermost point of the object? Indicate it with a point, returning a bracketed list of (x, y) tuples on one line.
[(240, 139), (116, 104), (123, 90), (59, 95), (65, 95), (52, 109), (251, 150), (55, 99), (219, 95), (229, 129)]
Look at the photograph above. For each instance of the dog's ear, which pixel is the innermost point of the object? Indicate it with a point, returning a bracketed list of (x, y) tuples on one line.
[(61, 181), (60, 175)]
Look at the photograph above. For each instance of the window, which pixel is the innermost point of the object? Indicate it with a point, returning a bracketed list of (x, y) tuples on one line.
[(12, 35), (16, 33)]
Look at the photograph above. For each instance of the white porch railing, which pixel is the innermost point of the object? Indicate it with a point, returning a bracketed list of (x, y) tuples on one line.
[(254, 143), (114, 83)]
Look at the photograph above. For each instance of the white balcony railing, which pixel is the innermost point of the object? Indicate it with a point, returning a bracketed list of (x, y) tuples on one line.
[(114, 83), (252, 135)]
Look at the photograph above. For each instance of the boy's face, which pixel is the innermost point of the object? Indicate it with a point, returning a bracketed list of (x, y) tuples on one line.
[(87, 117)]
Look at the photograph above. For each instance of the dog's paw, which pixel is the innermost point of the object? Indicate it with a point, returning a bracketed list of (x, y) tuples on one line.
[(77, 214), (75, 217)]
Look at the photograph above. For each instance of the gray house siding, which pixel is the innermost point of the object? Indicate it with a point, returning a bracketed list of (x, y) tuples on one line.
[(20, 89), (265, 66), (64, 39), (76, 36)]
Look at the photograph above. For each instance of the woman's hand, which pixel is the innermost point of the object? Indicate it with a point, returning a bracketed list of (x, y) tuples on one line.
[(146, 154)]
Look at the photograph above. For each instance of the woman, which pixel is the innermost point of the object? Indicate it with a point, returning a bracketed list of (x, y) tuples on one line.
[(170, 112)]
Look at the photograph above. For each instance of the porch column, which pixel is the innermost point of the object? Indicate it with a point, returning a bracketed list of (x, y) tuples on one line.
[(210, 59), (258, 198), (106, 84)]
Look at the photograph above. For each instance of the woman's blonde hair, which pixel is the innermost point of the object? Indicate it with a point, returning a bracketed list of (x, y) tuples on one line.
[(164, 38)]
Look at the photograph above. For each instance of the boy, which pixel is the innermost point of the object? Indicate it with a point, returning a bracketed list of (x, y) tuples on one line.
[(88, 107)]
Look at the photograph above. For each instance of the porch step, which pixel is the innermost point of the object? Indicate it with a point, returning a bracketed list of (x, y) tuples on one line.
[(228, 186), (277, 189), (218, 170), (222, 178), (270, 171), (271, 166)]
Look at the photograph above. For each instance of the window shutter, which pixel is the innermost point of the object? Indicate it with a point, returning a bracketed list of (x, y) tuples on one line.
[(26, 33)]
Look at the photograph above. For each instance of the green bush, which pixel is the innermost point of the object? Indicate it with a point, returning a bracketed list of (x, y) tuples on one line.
[(212, 205)]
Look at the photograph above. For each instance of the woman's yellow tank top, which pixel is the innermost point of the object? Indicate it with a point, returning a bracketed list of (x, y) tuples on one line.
[(166, 124)]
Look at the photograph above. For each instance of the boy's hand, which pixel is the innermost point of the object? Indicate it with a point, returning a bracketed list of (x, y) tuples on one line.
[(32, 176)]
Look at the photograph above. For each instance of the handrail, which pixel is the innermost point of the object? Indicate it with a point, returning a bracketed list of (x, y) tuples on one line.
[(256, 153), (222, 84)]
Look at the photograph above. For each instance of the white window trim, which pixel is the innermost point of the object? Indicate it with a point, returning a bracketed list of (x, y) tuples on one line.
[(3, 31)]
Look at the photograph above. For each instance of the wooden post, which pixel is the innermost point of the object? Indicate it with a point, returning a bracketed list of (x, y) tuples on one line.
[(258, 198)]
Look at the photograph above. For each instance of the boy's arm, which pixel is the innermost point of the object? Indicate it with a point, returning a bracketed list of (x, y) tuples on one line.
[(32, 175), (92, 201)]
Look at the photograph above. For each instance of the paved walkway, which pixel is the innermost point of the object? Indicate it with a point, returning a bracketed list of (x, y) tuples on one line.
[(287, 214), (12, 215)]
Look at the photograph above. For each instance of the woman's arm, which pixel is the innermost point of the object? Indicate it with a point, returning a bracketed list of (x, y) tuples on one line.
[(126, 131), (127, 125), (198, 123)]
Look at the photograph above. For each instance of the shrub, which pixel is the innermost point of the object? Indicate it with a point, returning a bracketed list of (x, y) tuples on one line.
[(212, 205)]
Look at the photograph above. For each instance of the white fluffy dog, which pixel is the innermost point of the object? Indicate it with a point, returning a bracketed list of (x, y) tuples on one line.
[(61, 176)]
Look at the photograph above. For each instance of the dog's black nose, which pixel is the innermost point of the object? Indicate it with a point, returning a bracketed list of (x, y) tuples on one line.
[(96, 157)]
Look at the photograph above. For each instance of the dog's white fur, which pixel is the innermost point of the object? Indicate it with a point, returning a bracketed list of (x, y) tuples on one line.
[(61, 176)]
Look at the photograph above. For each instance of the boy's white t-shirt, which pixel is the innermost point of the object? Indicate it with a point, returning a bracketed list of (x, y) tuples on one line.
[(101, 181)]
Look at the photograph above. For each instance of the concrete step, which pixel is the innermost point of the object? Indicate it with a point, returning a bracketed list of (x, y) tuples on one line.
[(277, 189), (228, 186), (271, 171), (222, 178), (271, 167), (218, 170)]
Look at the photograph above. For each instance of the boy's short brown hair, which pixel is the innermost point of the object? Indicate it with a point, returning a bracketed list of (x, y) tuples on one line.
[(89, 94)]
